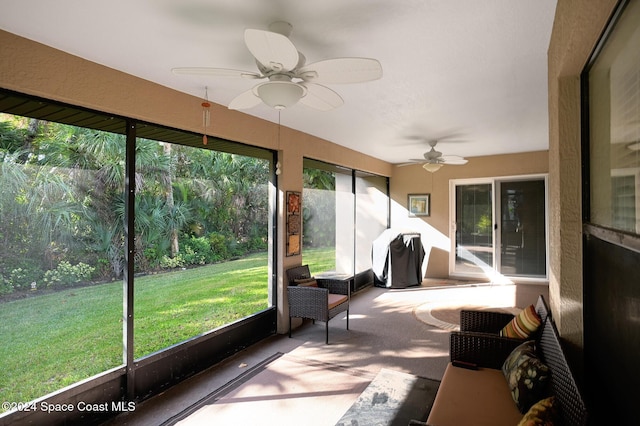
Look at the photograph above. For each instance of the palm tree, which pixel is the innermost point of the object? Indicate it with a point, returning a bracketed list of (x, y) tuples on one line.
[(167, 181), (64, 197)]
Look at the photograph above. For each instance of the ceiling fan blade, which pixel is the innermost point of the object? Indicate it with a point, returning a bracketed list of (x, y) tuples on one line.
[(216, 72), (245, 100), (342, 70), (453, 160), (320, 97), (274, 51)]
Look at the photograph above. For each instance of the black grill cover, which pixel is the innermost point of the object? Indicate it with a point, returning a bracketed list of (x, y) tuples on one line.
[(397, 259)]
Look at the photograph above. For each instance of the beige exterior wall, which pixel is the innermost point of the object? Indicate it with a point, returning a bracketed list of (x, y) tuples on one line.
[(577, 28), (435, 229)]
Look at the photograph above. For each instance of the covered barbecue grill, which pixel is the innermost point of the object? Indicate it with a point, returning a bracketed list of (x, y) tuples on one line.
[(397, 259)]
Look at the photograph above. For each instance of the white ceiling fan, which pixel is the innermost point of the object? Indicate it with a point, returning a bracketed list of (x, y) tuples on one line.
[(289, 79), (433, 160)]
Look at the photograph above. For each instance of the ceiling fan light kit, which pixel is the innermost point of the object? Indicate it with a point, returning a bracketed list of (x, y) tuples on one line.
[(280, 94), (432, 167), (290, 79)]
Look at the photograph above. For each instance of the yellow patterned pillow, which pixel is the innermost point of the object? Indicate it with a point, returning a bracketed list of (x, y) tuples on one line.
[(542, 413), (523, 324)]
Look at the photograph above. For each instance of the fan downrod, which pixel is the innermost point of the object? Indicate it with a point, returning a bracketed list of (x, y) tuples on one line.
[(281, 27)]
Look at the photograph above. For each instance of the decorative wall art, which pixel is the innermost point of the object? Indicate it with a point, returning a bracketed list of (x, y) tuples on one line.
[(294, 223), (419, 204)]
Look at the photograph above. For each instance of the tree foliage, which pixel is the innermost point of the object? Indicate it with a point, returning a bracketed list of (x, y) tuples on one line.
[(62, 203)]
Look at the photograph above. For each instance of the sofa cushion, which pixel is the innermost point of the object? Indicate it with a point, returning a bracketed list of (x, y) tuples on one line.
[(523, 324), (542, 413), (527, 376), (473, 397)]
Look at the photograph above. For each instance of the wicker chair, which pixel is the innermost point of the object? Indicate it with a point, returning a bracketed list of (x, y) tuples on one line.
[(320, 303)]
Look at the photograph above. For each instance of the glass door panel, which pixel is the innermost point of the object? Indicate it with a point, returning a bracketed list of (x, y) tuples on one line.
[(473, 228), (523, 228)]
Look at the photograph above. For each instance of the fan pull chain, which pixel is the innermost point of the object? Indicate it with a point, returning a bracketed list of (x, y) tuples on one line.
[(278, 165)]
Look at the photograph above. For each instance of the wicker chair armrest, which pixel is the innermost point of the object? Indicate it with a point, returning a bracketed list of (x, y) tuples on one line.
[(485, 350), (308, 302), (334, 286), (483, 321)]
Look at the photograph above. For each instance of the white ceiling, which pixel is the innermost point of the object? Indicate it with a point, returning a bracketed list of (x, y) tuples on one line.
[(474, 71)]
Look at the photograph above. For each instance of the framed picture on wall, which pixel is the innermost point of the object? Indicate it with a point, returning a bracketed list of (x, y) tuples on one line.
[(419, 204), (293, 202), (294, 223)]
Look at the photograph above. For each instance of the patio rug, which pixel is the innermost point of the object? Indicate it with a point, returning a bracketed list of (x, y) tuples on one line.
[(393, 398), (286, 390)]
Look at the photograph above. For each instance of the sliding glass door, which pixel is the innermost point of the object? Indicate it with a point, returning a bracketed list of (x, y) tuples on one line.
[(499, 227)]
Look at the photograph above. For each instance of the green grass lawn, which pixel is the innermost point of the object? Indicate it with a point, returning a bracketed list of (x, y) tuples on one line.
[(319, 260), (53, 340)]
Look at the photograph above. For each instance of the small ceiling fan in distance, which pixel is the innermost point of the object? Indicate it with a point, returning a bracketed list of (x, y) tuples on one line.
[(433, 160), (289, 79)]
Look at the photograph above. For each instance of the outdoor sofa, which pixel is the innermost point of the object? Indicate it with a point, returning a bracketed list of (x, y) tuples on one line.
[(476, 391)]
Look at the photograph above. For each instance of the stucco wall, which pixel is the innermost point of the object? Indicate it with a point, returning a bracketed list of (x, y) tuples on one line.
[(577, 27)]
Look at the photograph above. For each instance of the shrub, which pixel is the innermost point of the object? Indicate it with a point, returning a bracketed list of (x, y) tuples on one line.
[(192, 257), (18, 274), (5, 286), (235, 249), (196, 251), (17, 279), (66, 274), (219, 248), (172, 262)]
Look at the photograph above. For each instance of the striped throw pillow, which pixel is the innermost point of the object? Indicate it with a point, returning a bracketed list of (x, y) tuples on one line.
[(523, 324)]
